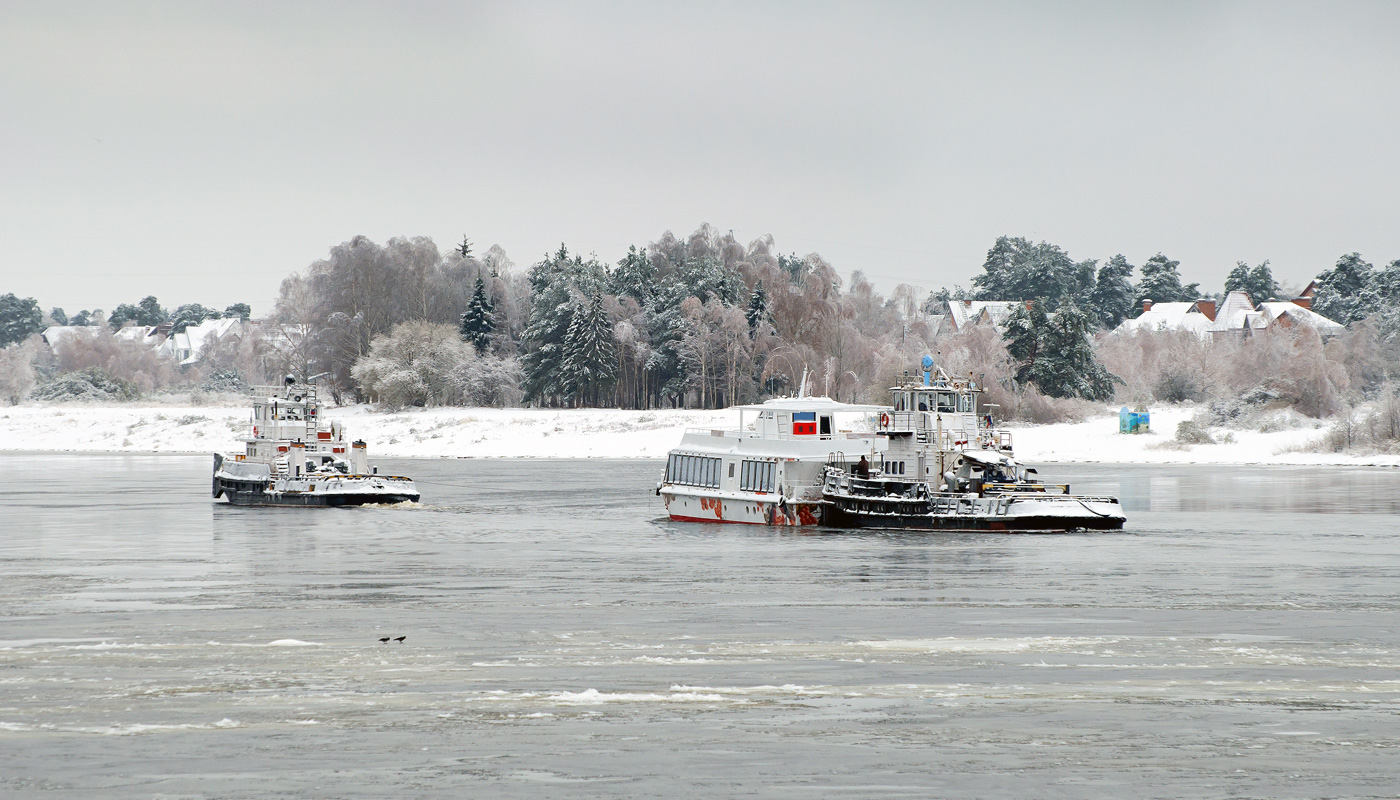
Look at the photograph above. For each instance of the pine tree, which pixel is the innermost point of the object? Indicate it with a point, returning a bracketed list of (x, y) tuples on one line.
[(465, 248), (1066, 366), (478, 323), (1112, 299), (635, 276), (1024, 329), (758, 309), (590, 358), (19, 318), (1238, 279), (1161, 282), (1346, 293), (1262, 285)]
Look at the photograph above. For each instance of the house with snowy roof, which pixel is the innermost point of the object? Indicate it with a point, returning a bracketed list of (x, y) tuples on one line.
[(188, 346), (963, 313), (56, 334), (1237, 316)]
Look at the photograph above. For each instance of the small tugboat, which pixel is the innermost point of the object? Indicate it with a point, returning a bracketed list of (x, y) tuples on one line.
[(295, 458), (944, 468), (769, 471)]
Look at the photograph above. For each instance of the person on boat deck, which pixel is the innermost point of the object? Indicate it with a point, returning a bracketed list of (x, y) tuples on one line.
[(862, 468)]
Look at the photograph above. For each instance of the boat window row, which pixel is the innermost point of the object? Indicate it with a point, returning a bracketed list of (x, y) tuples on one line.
[(757, 476), (945, 402), (693, 470)]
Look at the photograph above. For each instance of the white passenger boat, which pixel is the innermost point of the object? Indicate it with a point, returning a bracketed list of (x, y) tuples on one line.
[(769, 470), (295, 457)]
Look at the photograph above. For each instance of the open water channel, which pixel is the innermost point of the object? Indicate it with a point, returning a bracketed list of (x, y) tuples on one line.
[(1241, 639)]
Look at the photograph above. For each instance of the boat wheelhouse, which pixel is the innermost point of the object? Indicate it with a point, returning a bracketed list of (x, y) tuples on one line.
[(769, 470), (295, 457)]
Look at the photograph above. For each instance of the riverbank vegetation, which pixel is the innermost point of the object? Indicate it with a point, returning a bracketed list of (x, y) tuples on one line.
[(707, 321)]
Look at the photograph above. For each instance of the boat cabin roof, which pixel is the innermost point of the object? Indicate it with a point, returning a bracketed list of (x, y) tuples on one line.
[(810, 404)]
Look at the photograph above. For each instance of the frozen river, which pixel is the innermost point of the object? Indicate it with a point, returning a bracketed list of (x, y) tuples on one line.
[(1242, 638)]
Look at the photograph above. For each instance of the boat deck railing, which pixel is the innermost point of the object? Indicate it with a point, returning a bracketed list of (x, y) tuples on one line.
[(745, 434)]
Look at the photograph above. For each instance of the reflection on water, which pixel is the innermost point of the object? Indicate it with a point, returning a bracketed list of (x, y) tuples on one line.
[(1240, 638)]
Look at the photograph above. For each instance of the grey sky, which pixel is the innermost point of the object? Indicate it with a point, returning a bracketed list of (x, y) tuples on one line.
[(202, 152)]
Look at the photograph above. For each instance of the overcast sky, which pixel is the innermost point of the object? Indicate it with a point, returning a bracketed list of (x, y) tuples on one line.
[(201, 151)]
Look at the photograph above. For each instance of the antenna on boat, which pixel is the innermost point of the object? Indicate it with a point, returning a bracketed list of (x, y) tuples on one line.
[(928, 367), (802, 387)]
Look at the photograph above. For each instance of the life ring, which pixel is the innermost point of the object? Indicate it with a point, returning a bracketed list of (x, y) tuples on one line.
[(884, 420)]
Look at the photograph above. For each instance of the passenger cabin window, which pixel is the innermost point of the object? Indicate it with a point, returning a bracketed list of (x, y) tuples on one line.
[(693, 470), (826, 426), (757, 476)]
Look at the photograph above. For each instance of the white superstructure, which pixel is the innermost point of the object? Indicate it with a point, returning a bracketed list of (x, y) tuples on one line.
[(768, 471)]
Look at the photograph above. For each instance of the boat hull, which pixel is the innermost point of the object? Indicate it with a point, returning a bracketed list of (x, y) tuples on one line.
[(775, 512), (244, 495), (836, 517), (353, 491)]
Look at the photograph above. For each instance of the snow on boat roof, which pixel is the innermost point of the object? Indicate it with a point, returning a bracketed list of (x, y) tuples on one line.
[(809, 404)]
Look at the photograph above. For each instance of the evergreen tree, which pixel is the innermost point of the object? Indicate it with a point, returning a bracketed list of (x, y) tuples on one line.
[(465, 248), (590, 358), (478, 322), (1066, 366), (242, 311), (1262, 285), (758, 309), (1161, 282), (190, 314), (553, 284), (1347, 293), (81, 319), (20, 318), (1112, 299), (1025, 328), (1015, 269), (635, 276), (148, 312), (58, 315), (1238, 279)]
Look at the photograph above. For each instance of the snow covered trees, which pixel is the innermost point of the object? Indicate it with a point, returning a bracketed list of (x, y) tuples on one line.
[(590, 353), (20, 318), (1351, 291), (147, 312), (478, 321), (1161, 283), (1015, 269), (427, 364), (1112, 300), (1257, 282), (1056, 352)]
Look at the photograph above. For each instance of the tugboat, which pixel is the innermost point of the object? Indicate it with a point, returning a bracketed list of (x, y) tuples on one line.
[(294, 457), (769, 471), (945, 468)]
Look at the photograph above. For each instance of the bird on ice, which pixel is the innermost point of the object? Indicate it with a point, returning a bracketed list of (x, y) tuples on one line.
[(400, 638), (385, 639)]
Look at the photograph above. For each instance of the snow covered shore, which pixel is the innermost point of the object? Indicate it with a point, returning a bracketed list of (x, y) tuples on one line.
[(597, 433)]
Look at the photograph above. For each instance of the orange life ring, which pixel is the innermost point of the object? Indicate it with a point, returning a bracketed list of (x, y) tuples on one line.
[(884, 420)]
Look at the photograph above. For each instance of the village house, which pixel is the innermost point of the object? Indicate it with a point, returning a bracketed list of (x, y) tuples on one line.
[(1237, 316), (964, 313), (186, 347)]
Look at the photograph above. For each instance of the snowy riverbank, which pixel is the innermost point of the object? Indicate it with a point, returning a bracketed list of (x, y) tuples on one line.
[(596, 433)]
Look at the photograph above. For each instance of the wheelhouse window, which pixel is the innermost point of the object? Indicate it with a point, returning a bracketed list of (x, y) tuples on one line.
[(757, 476)]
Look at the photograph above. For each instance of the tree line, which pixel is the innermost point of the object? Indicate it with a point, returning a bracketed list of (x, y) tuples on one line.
[(699, 321)]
